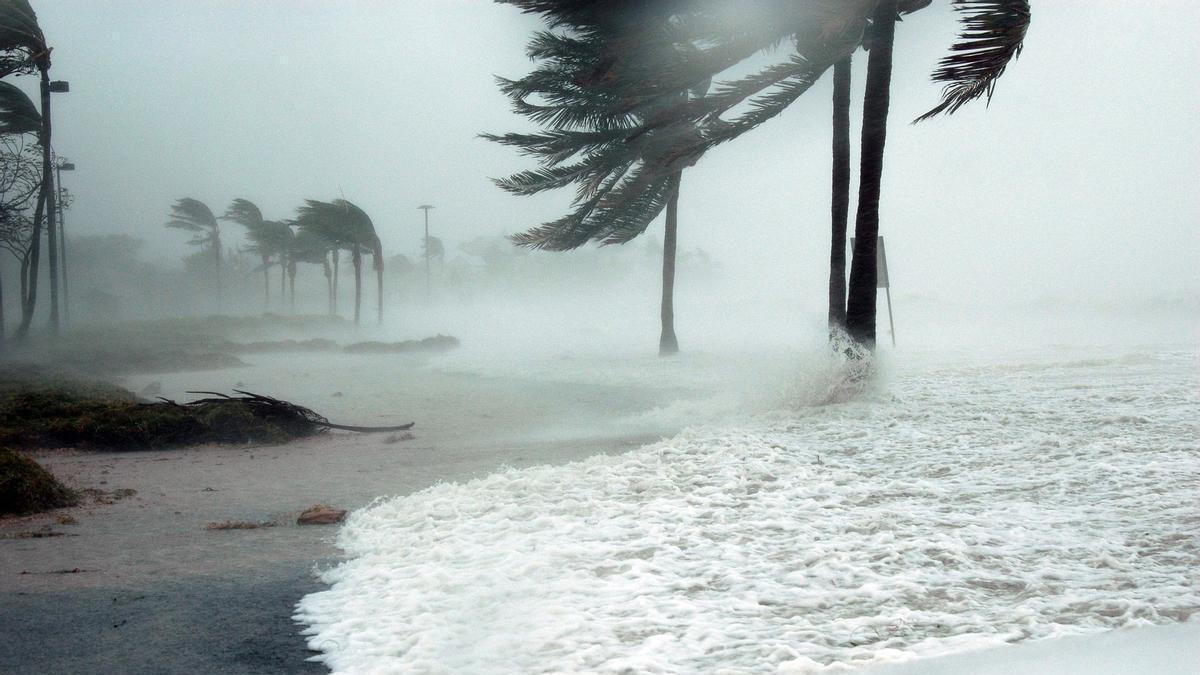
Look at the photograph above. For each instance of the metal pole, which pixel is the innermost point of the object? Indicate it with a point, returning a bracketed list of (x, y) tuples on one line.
[(62, 244), (428, 286), (887, 289)]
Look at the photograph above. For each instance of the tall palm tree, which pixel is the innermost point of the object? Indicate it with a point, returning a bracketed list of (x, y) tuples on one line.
[(23, 49), (624, 175), (193, 215), (596, 77), (840, 202)]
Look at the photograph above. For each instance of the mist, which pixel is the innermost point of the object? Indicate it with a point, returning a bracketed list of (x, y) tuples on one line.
[(300, 436)]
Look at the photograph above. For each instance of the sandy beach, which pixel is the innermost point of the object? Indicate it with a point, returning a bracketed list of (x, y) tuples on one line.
[(140, 586)]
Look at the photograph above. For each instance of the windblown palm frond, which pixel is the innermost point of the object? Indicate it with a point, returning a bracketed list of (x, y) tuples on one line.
[(17, 113), (244, 212), (22, 44), (193, 215), (993, 35)]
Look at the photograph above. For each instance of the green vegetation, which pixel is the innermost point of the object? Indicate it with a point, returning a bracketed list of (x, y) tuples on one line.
[(95, 416), (25, 487)]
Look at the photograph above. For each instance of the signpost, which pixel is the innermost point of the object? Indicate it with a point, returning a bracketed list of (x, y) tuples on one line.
[(882, 281)]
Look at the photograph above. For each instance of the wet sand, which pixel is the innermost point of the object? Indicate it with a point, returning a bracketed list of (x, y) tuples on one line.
[(155, 592)]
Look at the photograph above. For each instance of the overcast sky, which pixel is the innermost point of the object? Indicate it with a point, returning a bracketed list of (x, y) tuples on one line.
[(1079, 179)]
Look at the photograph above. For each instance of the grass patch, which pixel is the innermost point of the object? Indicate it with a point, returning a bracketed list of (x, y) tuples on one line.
[(25, 487)]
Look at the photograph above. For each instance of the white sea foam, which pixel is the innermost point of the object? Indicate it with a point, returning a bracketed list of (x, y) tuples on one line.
[(952, 509)]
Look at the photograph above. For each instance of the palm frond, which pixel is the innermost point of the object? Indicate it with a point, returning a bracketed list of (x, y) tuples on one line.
[(22, 44), (17, 113), (992, 36)]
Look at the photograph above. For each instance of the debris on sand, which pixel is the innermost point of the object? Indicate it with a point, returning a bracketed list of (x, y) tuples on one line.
[(321, 515), (26, 487), (239, 525), (60, 414)]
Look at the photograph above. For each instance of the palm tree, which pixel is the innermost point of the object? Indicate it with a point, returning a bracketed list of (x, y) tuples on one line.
[(18, 117), (346, 226), (247, 214), (23, 49), (192, 215), (596, 77), (840, 202), (309, 247), (624, 175)]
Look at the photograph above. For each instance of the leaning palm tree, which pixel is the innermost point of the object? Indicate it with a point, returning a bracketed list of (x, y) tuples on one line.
[(623, 177), (348, 227), (312, 248), (192, 215), (247, 214), (604, 56), (23, 50)]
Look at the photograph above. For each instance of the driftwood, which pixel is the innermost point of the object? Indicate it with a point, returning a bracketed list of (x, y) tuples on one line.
[(266, 406)]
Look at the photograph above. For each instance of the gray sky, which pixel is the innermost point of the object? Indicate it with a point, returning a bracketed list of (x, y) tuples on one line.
[(1079, 179)]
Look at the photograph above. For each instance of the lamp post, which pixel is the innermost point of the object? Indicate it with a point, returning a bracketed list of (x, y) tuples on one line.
[(60, 166), (55, 87), (426, 208)]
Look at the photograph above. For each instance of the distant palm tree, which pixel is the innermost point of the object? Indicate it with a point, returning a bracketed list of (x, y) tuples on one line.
[(347, 227), (245, 213), (192, 215), (309, 247)]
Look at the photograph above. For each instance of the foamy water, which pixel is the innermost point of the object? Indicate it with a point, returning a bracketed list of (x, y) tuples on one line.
[(951, 508)]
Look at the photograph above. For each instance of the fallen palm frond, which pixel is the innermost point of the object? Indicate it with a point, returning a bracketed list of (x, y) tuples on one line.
[(280, 412), (61, 414)]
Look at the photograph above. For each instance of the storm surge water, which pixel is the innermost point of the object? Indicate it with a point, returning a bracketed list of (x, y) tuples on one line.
[(961, 503)]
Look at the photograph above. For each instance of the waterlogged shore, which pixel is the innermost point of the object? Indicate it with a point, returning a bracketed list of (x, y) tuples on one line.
[(136, 584)]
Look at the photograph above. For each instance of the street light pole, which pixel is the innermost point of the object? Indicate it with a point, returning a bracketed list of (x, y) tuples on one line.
[(426, 208), (52, 235), (60, 166)]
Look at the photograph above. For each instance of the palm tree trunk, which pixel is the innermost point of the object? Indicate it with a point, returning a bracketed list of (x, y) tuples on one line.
[(2, 334), (357, 261), (336, 272), (292, 283), (29, 276), (266, 285), (860, 308), (217, 257), (379, 284), (667, 342), (328, 284), (282, 282), (840, 210)]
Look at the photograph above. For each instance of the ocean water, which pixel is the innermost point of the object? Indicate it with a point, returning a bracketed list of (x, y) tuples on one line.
[(799, 523)]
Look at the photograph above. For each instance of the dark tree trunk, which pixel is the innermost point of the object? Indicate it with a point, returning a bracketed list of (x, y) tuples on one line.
[(667, 342), (336, 273), (266, 285), (292, 283), (217, 258), (379, 283), (282, 282), (29, 268), (357, 261), (2, 333), (860, 308), (328, 284), (840, 210)]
